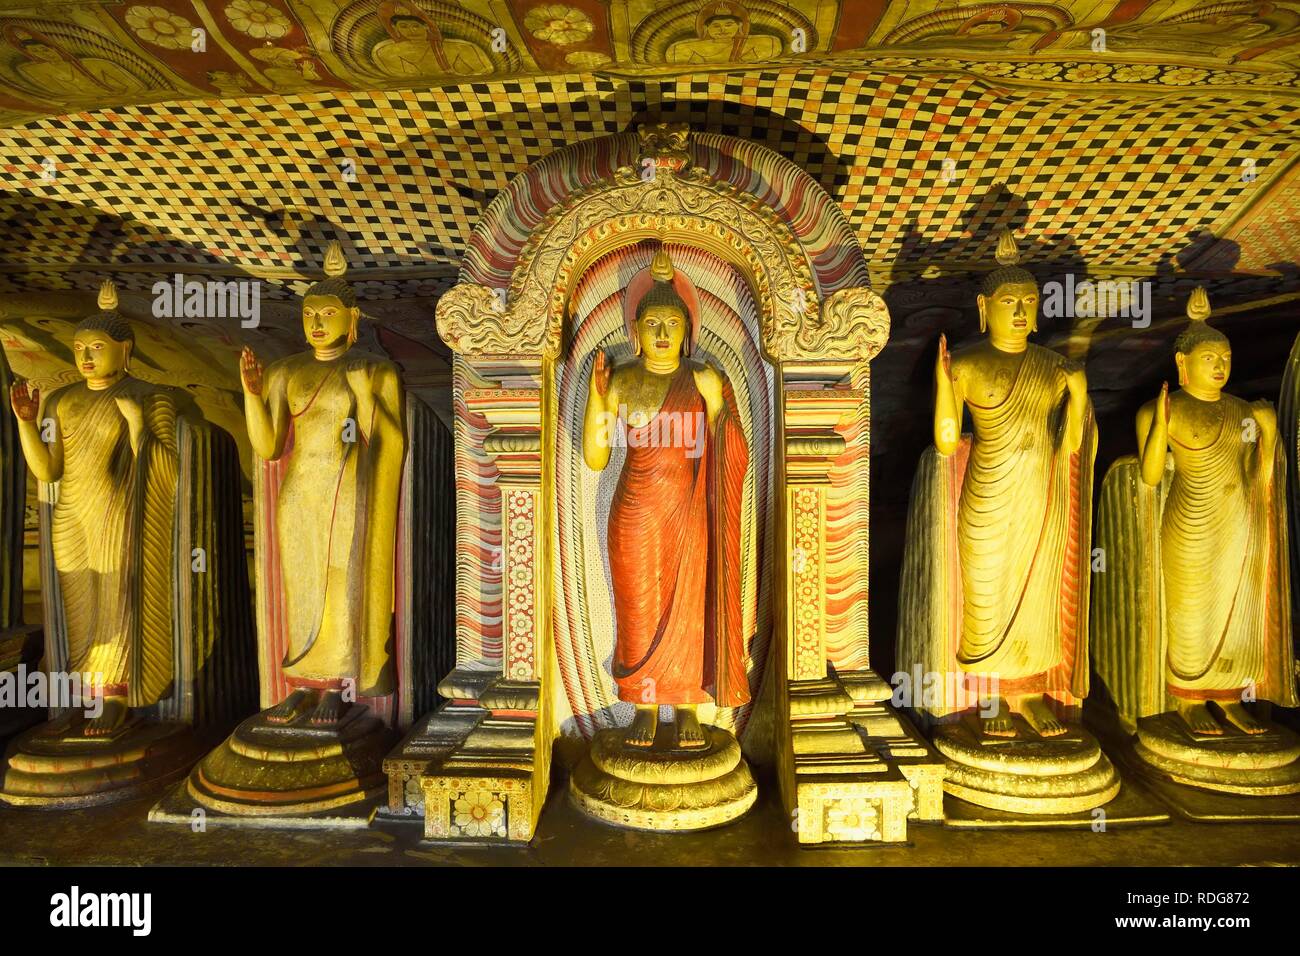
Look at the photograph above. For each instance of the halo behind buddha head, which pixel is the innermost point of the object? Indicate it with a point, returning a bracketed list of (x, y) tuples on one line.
[(662, 284)]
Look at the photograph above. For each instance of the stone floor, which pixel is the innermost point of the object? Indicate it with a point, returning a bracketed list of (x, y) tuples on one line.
[(120, 835)]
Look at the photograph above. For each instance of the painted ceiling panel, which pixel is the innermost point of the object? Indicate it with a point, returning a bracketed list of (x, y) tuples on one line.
[(59, 56)]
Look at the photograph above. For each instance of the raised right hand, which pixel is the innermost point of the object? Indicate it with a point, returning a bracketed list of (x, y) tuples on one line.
[(26, 402), (250, 371), (943, 363), (600, 374), (1163, 405)]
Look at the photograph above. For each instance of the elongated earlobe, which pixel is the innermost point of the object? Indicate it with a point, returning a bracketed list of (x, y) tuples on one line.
[(984, 322)]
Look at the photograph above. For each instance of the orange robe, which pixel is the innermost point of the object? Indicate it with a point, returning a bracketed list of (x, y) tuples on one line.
[(674, 555)]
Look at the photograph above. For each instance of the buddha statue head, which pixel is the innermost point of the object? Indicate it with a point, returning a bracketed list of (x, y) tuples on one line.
[(102, 344), (329, 309), (1202, 354), (661, 315), (1008, 297)]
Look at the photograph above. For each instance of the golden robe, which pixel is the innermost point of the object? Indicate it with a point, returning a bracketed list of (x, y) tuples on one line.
[(1221, 563), (995, 570), (112, 538)]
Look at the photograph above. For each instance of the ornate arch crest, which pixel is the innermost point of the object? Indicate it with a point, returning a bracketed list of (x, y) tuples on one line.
[(808, 311)]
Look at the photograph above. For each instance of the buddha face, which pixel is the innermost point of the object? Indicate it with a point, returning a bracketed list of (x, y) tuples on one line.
[(661, 330), (326, 321), (1207, 368), (410, 28), (99, 356), (1012, 311), (722, 28)]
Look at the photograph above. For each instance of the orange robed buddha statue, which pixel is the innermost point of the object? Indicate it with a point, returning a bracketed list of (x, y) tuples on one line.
[(674, 524)]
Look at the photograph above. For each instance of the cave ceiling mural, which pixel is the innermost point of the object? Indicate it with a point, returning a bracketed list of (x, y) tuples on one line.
[(61, 56)]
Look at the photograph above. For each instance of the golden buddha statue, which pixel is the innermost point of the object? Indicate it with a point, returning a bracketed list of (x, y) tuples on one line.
[(112, 454), (1193, 618), (336, 510), (674, 564), (111, 446), (328, 429), (994, 600)]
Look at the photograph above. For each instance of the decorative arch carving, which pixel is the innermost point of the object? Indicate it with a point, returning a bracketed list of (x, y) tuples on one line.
[(668, 198)]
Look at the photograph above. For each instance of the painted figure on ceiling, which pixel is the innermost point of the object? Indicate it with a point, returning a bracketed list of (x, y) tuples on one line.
[(416, 47), (723, 36), (55, 73)]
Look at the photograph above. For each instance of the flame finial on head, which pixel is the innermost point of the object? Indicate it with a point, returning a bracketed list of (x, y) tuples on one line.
[(335, 264), (1007, 253), (661, 267), (107, 296), (1198, 306)]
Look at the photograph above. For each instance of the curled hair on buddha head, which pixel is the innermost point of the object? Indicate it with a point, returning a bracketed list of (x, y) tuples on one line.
[(108, 320), (1198, 331), (1009, 271)]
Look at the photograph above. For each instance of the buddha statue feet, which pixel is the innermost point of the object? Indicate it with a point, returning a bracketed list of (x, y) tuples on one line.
[(1235, 712), (289, 709), (644, 727), (1032, 773), (999, 723), (1042, 718), (1262, 761), (112, 719), (661, 788), (330, 709), (690, 736)]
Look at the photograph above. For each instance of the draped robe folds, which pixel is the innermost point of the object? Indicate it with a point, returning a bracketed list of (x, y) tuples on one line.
[(995, 573), (112, 538), (674, 555), (1018, 528), (320, 517), (1223, 554)]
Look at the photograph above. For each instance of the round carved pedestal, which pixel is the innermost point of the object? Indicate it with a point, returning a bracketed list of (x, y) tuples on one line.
[(1266, 764), (660, 789), (1027, 774), (71, 770), (266, 769)]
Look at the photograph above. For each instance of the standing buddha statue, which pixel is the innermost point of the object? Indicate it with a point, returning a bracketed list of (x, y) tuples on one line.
[(674, 565), (328, 429), (124, 501), (994, 599), (1193, 619)]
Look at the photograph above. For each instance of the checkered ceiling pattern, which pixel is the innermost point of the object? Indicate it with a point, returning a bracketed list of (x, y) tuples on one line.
[(924, 166)]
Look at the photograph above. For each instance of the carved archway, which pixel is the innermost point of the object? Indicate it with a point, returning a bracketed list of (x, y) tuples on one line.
[(507, 321)]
